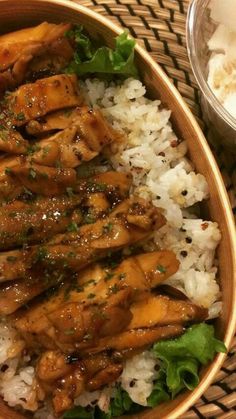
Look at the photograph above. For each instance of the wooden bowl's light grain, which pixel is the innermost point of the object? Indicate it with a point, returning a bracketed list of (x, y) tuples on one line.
[(15, 14)]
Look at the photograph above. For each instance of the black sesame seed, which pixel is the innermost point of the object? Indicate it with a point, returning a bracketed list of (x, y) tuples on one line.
[(132, 383), (188, 240), (184, 253), (184, 193)]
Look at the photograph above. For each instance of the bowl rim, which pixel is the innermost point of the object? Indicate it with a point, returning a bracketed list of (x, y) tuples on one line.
[(208, 93), (215, 365)]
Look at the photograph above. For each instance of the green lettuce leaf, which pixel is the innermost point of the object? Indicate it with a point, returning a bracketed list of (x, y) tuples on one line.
[(181, 358), (79, 412), (159, 394), (103, 60), (121, 403), (182, 373), (197, 342)]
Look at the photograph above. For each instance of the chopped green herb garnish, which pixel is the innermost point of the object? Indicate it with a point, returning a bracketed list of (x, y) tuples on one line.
[(20, 116), (4, 135), (72, 227), (12, 214), (101, 315), (91, 295), (11, 258), (41, 254), (32, 173), (27, 191), (71, 255), (107, 228), (58, 164), (88, 336), (32, 149), (108, 276), (70, 331), (44, 175), (71, 288), (70, 192), (45, 150), (8, 170), (161, 269), (100, 187), (89, 219), (89, 282), (114, 289), (68, 112)]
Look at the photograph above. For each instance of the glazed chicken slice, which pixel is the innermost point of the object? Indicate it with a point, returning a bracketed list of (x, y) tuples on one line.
[(66, 381), (23, 222), (113, 182), (12, 142), (67, 149), (60, 120), (33, 51), (12, 44), (129, 222), (16, 294), (73, 251), (83, 140), (134, 339), (43, 180), (138, 273), (54, 121), (162, 310), (50, 60), (34, 100)]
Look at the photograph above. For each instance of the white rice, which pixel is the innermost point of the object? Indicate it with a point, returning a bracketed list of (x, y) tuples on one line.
[(101, 398), (18, 390), (161, 172), (138, 376), (17, 385)]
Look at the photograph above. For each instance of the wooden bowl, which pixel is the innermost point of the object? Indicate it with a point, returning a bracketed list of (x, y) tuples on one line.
[(16, 14)]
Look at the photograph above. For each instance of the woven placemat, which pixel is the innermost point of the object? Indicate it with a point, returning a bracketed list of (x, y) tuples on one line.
[(159, 26)]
